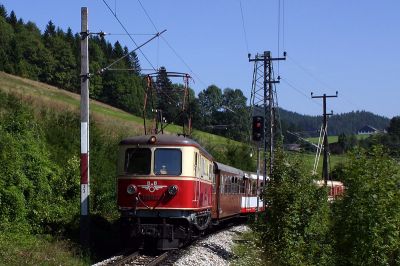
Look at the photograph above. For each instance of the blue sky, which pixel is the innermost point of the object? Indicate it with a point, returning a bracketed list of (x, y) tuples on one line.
[(345, 45)]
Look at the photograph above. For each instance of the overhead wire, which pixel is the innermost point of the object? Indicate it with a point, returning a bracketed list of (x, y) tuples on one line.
[(305, 70), (283, 25), (299, 91), (133, 34), (244, 28), (126, 31), (279, 30), (137, 48), (170, 46), (183, 61), (147, 14), (154, 26)]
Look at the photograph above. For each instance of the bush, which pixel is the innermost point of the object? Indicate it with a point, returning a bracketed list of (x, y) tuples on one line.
[(40, 168), (297, 227), (28, 178), (367, 219)]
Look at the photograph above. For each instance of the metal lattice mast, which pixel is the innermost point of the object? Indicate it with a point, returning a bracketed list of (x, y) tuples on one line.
[(263, 103)]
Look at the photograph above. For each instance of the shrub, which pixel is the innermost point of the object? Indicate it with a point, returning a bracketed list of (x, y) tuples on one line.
[(39, 166), (367, 219), (28, 174), (296, 230)]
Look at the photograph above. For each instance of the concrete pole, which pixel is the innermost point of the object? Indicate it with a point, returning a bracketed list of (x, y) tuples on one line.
[(85, 184)]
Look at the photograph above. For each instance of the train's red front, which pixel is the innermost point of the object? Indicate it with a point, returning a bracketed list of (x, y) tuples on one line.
[(164, 189)]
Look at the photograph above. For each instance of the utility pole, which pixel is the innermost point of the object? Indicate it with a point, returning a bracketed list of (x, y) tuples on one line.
[(85, 185), (325, 172), (262, 97)]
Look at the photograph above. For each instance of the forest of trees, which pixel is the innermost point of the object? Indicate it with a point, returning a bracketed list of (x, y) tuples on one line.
[(53, 57)]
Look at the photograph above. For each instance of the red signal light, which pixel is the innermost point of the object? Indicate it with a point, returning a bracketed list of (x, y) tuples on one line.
[(258, 128)]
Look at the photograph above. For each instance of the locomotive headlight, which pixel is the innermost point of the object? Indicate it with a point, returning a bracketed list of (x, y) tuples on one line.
[(152, 139), (172, 190), (131, 189)]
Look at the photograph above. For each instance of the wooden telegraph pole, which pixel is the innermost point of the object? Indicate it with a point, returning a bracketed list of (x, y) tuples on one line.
[(325, 171), (85, 185)]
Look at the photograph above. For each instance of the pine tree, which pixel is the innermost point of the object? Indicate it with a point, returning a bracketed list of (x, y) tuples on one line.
[(12, 19), (3, 11), (49, 32)]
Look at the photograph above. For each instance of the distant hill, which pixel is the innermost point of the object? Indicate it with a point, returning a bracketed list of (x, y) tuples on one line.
[(347, 123)]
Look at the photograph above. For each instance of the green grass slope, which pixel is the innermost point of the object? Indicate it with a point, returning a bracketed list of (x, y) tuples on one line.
[(46, 96)]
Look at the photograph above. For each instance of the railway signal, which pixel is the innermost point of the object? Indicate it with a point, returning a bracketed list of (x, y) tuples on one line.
[(258, 128)]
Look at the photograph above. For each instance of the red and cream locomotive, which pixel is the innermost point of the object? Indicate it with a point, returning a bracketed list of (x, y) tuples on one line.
[(170, 189)]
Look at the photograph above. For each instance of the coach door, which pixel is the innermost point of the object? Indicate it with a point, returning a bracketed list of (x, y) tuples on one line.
[(198, 165)]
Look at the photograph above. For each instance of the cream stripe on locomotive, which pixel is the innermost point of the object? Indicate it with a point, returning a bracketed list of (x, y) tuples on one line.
[(166, 208)]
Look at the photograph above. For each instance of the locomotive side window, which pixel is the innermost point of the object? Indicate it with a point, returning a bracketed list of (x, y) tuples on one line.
[(138, 161), (167, 162), (195, 164)]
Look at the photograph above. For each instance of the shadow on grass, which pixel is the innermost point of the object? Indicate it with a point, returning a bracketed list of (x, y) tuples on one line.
[(104, 238)]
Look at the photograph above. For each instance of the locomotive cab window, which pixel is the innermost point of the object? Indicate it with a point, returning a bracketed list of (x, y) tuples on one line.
[(167, 162), (138, 161)]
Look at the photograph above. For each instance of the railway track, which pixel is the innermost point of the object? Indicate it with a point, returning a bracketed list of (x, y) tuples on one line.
[(148, 257), (138, 258)]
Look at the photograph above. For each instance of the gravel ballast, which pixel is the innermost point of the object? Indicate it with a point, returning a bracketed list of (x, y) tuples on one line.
[(215, 249)]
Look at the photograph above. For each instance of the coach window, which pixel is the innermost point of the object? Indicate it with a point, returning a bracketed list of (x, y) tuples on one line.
[(211, 173), (227, 184), (253, 187), (137, 161), (167, 162), (222, 183), (242, 185), (207, 169)]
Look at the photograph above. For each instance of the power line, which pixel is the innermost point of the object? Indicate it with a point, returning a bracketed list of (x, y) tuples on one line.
[(148, 16), (279, 28), (298, 90), (131, 52), (133, 34), (283, 24), (154, 25), (126, 31), (244, 28), (169, 45), (305, 70), (183, 61)]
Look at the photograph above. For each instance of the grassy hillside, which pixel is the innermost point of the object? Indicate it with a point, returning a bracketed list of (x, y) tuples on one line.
[(46, 96), (332, 139), (110, 119)]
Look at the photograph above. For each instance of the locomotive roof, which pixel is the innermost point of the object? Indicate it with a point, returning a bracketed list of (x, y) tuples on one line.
[(228, 169), (164, 140)]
